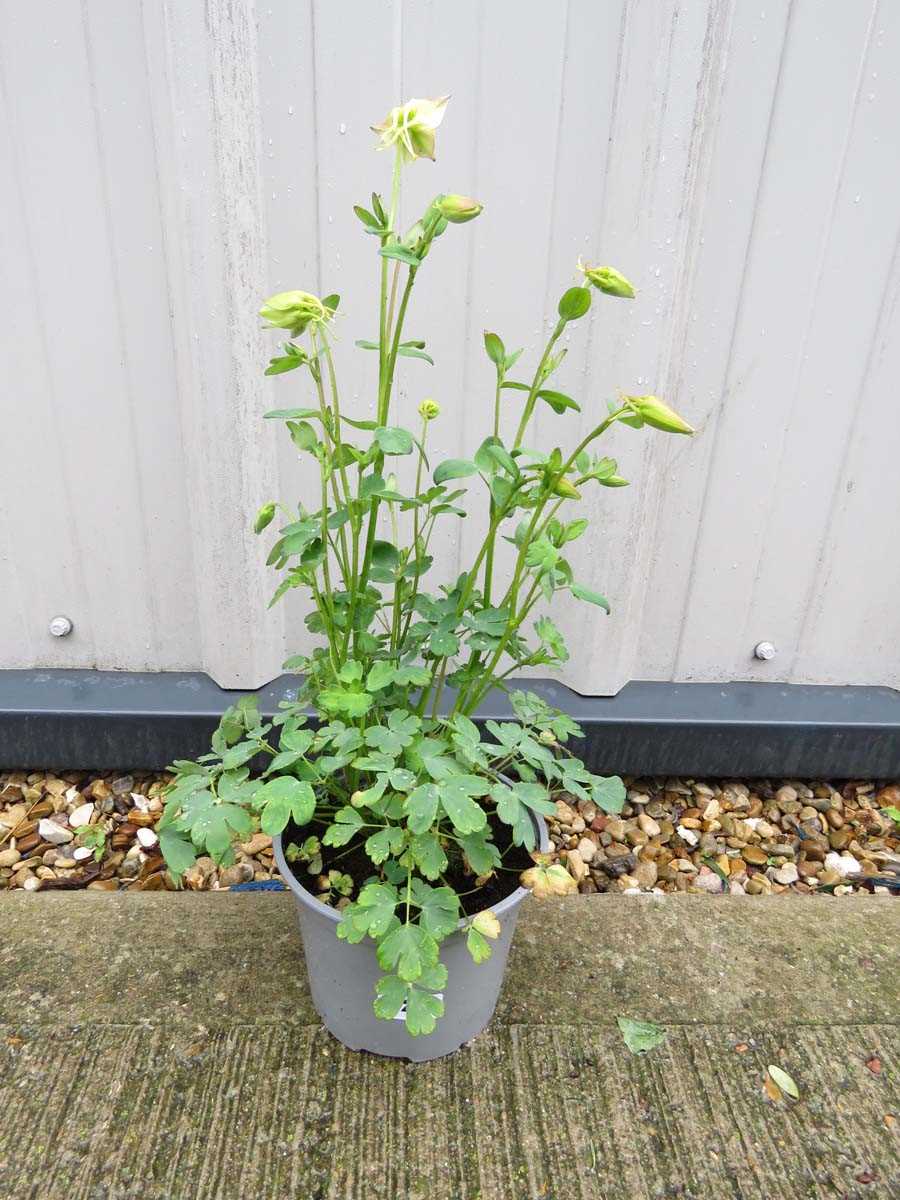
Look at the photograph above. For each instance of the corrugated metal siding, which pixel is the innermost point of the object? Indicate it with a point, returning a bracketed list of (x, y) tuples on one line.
[(166, 165)]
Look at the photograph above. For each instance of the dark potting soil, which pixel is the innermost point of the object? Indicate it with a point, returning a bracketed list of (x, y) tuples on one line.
[(352, 860)]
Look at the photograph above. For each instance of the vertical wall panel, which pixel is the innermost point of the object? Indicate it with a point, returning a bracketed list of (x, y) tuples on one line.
[(180, 161)]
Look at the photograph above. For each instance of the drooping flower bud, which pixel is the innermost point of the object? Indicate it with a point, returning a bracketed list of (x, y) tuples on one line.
[(608, 280), (264, 517), (294, 311), (411, 126), (654, 412), (458, 209), (429, 409)]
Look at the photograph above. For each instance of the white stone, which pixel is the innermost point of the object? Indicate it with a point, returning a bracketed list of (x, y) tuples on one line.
[(786, 874), (32, 884), (141, 803), (72, 795), (50, 832), (147, 838), (80, 853), (587, 849), (81, 815), (844, 864), (688, 835)]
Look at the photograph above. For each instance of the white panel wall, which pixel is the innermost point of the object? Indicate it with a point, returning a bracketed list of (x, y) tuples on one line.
[(164, 166)]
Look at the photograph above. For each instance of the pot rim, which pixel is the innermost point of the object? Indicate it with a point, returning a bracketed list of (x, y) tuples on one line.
[(326, 910)]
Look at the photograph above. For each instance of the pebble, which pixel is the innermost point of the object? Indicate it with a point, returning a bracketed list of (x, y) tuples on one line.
[(9, 857), (844, 864), (761, 837), (147, 838), (81, 815), (586, 849), (786, 875), (53, 833)]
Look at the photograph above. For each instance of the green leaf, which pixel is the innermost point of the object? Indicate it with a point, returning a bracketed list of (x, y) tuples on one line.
[(370, 221), (439, 908), (893, 812), (291, 414), (341, 700), (384, 843), (454, 468), (408, 949), (283, 798), (784, 1081), (372, 913), (558, 401), (574, 303), (406, 350), (482, 854), (177, 850), (422, 1012), (494, 349), (347, 824), (478, 946), (412, 676), (380, 675), (640, 1036), (238, 755), (394, 440), (303, 435), (390, 996), (552, 638), (428, 856), (456, 799), (608, 793), (401, 254), (421, 807), (583, 593), (443, 643)]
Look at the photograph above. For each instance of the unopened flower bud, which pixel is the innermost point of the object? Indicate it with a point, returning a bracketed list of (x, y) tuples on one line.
[(547, 738), (565, 488), (654, 412), (458, 209), (294, 311), (411, 126), (358, 799), (429, 409), (607, 279)]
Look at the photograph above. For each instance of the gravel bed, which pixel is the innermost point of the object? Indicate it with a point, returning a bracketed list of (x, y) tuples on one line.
[(77, 829)]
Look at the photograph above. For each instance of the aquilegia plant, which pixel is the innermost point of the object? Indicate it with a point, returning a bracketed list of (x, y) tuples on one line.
[(394, 806)]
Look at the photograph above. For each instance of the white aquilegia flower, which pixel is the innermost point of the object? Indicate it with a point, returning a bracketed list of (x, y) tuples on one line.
[(411, 126)]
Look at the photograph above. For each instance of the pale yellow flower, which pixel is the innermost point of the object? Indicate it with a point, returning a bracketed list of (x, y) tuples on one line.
[(411, 126)]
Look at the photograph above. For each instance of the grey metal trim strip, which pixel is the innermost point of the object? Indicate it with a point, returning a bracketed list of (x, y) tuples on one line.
[(141, 720)]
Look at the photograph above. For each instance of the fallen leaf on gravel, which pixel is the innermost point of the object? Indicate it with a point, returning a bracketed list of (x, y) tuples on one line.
[(15, 1041), (890, 1119), (874, 1064), (772, 1090), (782, 1080), (742, 1048), (640, 1036)]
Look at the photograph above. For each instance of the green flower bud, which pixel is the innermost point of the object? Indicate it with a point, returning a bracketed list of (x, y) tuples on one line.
[(653, 412), (563, 487), (458, 209), (264, 517), (294, 311), (608, 280), (429, 409), (411, 127)]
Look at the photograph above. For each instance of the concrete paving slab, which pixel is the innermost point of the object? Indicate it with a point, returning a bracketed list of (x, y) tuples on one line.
[(157, 1047)]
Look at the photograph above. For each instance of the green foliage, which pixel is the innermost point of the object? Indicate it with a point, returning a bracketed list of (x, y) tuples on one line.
[(364, 765)]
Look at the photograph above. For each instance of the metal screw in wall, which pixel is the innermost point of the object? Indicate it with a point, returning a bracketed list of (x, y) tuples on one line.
[(61, 627), (764, 651)]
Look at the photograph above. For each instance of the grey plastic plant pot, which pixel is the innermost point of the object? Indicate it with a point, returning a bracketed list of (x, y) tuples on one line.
[(342, 977)]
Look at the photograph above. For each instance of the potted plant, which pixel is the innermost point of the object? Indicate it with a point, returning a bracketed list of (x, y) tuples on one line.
[(408, 834)]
